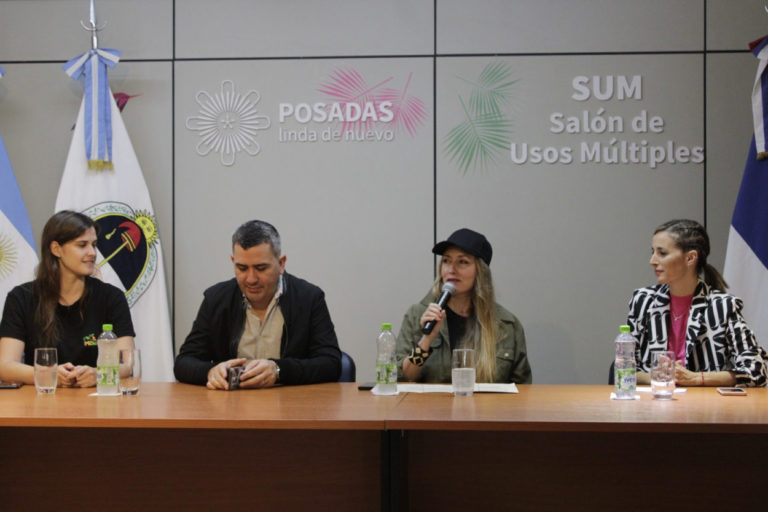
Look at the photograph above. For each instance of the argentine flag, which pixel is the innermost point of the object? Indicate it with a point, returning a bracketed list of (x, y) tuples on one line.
[(18, 258), (746, 260)]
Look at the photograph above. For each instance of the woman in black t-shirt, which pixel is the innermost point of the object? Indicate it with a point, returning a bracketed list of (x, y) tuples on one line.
[(63, 307)]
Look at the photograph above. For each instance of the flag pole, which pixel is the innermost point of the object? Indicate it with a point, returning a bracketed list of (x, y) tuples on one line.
[(92, 27), (91, 67)]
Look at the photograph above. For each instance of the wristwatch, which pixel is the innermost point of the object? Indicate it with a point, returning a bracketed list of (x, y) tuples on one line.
[(277, 371)]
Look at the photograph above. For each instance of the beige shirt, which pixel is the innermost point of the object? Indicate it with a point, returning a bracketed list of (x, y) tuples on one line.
[(261, 340)]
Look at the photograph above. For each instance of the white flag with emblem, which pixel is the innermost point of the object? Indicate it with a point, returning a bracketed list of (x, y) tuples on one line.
[(130, 255)]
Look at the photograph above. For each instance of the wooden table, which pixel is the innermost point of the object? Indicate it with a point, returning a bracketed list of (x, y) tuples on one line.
[(332, 447), (572, 448), (182, 447)]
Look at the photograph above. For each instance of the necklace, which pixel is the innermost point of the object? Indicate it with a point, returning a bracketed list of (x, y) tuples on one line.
[(677, 317), (679, 307)]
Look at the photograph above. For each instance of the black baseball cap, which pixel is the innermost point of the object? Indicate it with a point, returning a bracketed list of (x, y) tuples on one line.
[(470, 241)]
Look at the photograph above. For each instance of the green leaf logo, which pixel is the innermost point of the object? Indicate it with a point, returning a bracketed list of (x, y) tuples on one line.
[(484, 133)]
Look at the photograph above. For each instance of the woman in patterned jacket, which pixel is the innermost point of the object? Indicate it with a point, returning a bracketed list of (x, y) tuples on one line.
[(693, 317)]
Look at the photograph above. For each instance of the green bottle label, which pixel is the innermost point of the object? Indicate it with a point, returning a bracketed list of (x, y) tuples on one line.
[(107, 375), (386, 373), (626, 379)]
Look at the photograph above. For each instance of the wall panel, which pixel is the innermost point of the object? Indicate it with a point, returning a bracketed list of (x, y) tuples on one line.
[(729, 129), (273, 28), (731, 25), (571, 237), (50, 29), (575, 26), (355, 216)]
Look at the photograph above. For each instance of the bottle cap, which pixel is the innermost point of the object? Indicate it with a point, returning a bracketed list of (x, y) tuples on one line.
[(386, 327), (106, 327), (624, 328)]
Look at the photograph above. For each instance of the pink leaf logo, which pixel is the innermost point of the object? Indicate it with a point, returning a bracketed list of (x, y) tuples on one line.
[(409, 111), (348, 87)]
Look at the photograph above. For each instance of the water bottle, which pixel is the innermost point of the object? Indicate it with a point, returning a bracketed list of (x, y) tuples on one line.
[(625, 368), (107, 363), (386, 363)]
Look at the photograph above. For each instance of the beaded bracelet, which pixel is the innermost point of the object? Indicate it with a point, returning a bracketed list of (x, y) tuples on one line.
[(419, 356)]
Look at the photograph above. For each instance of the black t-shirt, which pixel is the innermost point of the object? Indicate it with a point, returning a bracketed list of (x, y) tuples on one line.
[(104, 304), (457, 327)]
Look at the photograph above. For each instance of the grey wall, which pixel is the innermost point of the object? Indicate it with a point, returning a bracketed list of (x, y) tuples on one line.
[(359, 218)]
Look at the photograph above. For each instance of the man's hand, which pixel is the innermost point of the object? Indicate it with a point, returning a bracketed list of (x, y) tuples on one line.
[(217, 376), (259, 373)]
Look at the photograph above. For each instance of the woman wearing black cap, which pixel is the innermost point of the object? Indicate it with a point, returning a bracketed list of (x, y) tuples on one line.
[(474, 320)]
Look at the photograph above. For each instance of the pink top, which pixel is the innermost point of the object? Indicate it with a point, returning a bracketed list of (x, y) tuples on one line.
[(678, 321)]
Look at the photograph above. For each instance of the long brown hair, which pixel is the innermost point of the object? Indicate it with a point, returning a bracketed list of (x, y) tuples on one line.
[(63, 227), (689, 235), (482, 332)]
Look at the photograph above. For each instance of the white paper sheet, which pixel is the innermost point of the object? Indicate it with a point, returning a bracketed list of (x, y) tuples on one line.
[(480, 387)]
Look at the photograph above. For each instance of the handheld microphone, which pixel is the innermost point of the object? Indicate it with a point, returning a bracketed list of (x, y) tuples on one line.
[(448, 290)]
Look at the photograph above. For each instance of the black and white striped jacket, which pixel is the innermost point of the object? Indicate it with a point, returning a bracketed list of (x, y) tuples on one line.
[(717, 337)]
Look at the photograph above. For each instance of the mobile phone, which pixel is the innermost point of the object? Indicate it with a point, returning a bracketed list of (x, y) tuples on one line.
[(10, 385), (366, 386), (233, 377), (732, 391)]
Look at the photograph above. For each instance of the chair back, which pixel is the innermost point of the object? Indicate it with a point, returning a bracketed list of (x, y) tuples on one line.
[(348, 371)]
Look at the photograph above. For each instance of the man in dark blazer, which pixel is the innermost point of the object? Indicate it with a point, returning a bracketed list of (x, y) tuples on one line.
[(273, 325)]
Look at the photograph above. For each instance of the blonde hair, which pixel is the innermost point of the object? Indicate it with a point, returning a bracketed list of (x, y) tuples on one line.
[(482, 333)]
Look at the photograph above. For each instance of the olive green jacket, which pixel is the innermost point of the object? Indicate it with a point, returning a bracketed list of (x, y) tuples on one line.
[(511, 354)]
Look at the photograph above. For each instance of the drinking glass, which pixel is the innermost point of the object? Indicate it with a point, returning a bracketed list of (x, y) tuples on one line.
[(463, 371), (46, 370), (130, 371), (663, 374)]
